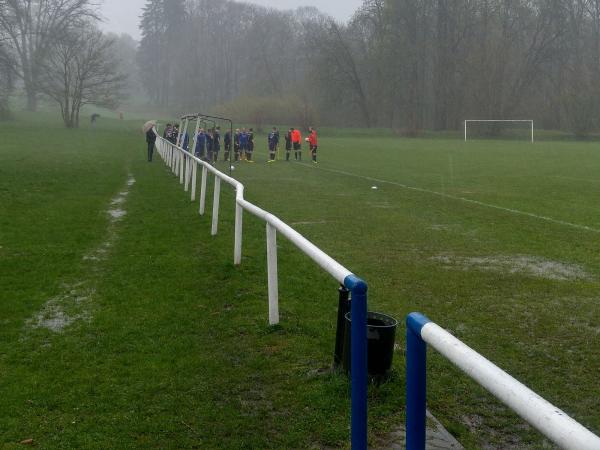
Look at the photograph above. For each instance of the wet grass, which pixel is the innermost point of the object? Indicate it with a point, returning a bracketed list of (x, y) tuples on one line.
[(176, 351)]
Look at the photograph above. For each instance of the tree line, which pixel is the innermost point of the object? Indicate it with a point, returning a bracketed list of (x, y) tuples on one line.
[(410, 65), (53, 48)]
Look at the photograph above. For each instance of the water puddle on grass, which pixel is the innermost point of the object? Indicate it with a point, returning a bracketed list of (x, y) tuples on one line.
[(117, 214), (74, 303), (534, 266), (65, 309), (437, 437)]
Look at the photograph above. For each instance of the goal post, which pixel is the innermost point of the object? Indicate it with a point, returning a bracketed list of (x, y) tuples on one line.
[(498, 121)]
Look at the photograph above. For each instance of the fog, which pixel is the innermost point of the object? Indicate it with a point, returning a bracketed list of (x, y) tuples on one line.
[(123, 16)]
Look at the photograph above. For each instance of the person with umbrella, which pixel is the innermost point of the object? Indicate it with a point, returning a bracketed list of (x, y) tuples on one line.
[(148, 128)]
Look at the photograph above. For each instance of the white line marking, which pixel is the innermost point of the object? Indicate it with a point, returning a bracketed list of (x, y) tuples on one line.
[(586, 180), (75, 302), (462, 199)]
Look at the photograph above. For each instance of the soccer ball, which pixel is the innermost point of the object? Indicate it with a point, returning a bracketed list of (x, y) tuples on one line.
[(232, 167), (307, 139)]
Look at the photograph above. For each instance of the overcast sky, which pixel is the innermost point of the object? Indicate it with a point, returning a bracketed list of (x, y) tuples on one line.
[(122, 16)]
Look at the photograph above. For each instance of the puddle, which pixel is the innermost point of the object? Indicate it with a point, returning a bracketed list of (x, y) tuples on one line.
[(74, 304), (517, 264), (117, 213)]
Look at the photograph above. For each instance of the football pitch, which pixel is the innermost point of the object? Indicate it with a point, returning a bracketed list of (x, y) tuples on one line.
[(124, 324)]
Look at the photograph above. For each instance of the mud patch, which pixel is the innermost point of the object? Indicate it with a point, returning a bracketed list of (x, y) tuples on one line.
[(437, 438), (61, 311), (117, 214), (75, 302), (517, 264)]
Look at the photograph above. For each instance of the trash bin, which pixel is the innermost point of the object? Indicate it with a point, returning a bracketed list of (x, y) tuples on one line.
[(381, 334)]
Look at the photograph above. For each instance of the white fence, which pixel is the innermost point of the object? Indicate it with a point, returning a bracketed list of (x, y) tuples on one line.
[(185, 166), (552, 422)]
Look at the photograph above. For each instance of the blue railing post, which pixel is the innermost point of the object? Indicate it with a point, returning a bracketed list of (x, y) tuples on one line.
[(358, 366), (416, 382)]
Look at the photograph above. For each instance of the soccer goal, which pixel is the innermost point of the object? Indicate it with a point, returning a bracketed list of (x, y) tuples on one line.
[(495, 126)]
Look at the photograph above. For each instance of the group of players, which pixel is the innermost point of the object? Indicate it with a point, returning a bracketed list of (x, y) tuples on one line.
[(208, 143)]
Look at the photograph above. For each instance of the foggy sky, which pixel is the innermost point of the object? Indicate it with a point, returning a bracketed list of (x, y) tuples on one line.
[(122, 16)]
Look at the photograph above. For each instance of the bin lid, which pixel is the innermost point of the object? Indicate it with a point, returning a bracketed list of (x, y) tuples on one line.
[(377, 320)]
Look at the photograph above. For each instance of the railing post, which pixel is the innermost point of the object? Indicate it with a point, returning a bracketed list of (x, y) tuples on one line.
[(181, 165), (237, 246), (194, 176), (416, 382), (358, 364), (272, 275), (203, 191), (187, 173), (173, 160), (215, 214)]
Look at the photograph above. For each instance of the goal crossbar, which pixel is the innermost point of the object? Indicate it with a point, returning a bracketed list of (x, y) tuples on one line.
[(500, 120)]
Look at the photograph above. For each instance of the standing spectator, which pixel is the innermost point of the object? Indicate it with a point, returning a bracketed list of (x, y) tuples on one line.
[(297, 141), (150, 140), (227, 144), (236, 144), (216, 144), (200, 144), (243, 143), (250, 145), (312, 139), (174, 134), (209, 145), (288, 144), (168, 132), (185, 142), (273, 140)]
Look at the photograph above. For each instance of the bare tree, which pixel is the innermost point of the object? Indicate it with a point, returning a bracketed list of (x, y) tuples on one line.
[(81, 70), (31, 27), (6, 81)]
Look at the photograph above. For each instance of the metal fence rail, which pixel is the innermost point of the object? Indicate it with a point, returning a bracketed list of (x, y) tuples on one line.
[(185, 166), (555, 424), (551, 421)]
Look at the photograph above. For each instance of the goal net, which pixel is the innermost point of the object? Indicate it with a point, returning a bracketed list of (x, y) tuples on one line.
[(502, 129)]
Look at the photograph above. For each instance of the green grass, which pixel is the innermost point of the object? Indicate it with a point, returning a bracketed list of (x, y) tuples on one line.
[(174, 350)]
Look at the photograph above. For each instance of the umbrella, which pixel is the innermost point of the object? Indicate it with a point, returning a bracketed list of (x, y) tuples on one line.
[(149, 125)]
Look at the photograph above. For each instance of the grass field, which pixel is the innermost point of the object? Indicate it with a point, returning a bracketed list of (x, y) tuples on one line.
[(160, 342)]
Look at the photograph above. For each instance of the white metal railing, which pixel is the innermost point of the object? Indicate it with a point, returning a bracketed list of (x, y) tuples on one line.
[(185, 166), (552, 422)]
